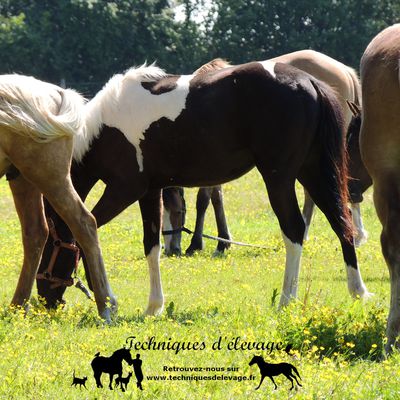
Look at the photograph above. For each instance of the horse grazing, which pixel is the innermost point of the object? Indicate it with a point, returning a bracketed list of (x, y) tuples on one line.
[(152, 130), (380, 145), (270, 370), (344, 81), (38, 124), (110, 365)]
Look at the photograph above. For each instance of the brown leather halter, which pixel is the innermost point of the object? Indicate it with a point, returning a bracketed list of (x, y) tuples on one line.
[(58, 244)]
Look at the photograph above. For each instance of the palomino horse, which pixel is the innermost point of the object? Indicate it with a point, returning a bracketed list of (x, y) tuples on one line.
[(152, 130), (38, 124), (380, 146), (344, 81)]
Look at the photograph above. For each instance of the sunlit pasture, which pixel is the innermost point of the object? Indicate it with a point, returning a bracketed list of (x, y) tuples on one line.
[(337, 341)]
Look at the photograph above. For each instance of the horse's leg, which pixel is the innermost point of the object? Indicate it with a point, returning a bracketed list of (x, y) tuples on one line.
[(308, 210), (97, 378), (290, 379), (64, 265), (111, 379), (272, 379), (261, 381), (361, 234), (150, 207), (283, 200), (53, 179), (294, 377), (325, 198), (29, 205), (115, 199), (217, 200), (173, 219), (202, 202), (387, 204)]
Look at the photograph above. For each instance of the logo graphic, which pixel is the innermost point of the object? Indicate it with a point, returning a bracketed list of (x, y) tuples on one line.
[(79, 381), (270, 370), (113, 366)]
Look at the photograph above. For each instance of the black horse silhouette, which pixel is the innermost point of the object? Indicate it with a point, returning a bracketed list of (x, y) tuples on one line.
[(271, 370), (110, 365)]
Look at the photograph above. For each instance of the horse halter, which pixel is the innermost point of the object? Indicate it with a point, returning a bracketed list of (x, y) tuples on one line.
[(57, 245), (183, 212)]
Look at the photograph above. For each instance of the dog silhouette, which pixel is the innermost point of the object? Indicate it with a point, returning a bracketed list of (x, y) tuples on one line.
[(123, 381)]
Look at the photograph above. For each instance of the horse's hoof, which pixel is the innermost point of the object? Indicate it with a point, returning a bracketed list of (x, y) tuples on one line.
[(361, 238), (218, 253), (155, 307)]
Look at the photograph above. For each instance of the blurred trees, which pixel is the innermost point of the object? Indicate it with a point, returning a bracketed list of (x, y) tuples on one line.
[(87, 41)]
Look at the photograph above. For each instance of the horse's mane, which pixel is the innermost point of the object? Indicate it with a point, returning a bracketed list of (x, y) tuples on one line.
[(106, 98), (215, 64)]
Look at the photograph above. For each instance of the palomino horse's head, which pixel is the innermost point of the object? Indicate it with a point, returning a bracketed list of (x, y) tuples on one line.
[(360, 179), (173, 220)]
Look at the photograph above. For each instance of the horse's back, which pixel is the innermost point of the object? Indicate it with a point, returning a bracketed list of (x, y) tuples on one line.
[(337, 75), (380, 129)]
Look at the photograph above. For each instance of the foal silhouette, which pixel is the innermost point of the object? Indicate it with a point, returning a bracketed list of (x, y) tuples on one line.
[(271, 370), (110, 365)]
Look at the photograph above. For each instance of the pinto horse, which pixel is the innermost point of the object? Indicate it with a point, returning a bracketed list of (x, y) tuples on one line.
[(151, 130), (38, 124), (380, 146), (344, 81)]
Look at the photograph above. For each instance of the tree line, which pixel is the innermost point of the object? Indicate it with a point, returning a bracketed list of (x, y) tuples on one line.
[(85, 42)]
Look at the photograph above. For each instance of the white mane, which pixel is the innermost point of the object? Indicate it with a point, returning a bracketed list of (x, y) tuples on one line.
[(106, 102)]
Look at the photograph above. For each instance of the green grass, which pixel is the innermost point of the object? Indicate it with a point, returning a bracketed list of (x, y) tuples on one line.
[(337, 340)]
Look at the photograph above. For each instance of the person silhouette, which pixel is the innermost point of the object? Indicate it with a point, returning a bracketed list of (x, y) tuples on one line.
[(137, 367)]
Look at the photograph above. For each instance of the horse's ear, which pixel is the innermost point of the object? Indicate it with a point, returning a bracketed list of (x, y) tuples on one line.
[(354, 108)]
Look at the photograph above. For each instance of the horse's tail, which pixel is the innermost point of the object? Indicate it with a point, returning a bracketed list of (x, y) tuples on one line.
[(295, 370), (356, 86), (333, 162), (30, 114)]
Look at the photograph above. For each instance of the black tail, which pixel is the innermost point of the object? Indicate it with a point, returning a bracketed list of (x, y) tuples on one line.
[(333, 164), (295, 370)]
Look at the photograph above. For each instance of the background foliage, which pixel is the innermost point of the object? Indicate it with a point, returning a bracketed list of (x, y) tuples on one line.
[(87, 41)]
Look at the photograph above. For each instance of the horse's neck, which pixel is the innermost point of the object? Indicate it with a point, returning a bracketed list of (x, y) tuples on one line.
[(117, 354)]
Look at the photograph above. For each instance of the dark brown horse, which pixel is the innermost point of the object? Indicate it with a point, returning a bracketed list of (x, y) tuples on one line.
[(150, 130), (380, 148), (344, 81)]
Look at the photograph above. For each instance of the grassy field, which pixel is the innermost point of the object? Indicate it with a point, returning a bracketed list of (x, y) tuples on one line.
[(337, 340)]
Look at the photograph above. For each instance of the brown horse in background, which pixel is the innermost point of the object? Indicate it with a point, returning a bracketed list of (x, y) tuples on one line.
[(38, 124), (380, 149)]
